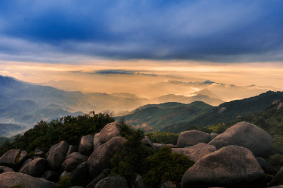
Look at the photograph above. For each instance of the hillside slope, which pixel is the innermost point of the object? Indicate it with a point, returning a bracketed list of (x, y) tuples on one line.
[(229, 111)]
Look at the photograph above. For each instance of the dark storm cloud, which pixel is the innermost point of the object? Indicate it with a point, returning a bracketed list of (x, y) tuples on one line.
[(225, 31)]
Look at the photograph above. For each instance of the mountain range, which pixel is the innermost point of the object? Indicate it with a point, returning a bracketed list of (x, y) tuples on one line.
[(24, 104)]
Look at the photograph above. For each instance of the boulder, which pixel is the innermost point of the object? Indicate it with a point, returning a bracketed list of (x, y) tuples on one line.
[(280, 106), (213, 135), (14, 158), (100, 158), (80, 176), (4, 169), (69, 164), (34, 167), (192, 137), (277, 179), (101, 176), (112, 182), (78, 157), (71, 149), (86, 145), (198, 151), (247, 135), (266, 167), (109, 131), (96, 141), (56, 155), (179, 150), (51, 175), (40, 152), (10, 179), (65, 173), (231, 166)]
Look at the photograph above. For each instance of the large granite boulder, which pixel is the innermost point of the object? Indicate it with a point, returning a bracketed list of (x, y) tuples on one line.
[(213, 135), (71, 149), (4, 169), (112, 182), (69, 164), (35, 167), (193, 137), (86, 145), (51, 175), (198, 151), (100, 158), (109, 131), (56, 155), (81, 176), (14, 158), (96, 141), (231, 166), (101, 176), (10, 179), (247, 135), (78, 157)]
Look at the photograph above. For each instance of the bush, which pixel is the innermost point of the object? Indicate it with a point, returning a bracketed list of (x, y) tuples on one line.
[(65, 182), (166, 166), (163, 137), (130, 159), (276, 160)]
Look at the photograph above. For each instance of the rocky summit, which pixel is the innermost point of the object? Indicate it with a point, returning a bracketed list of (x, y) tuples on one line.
[(231, 159)]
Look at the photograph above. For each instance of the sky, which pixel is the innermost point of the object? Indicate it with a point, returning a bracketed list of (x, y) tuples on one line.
[(144, 47)]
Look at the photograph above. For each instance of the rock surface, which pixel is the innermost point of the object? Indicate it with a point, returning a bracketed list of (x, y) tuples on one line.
[(80, 176), (10, 179), (267, 167), (86, 145), (34, 167), (5, 169), (96, 141), (193, 137), (100, 158), (56, 155), (112, 182), (71, 149), (231, 166), (247, 135), (101, 176), (277, 179), (109, 131), (78, 157), (198, 151), (69, 164)]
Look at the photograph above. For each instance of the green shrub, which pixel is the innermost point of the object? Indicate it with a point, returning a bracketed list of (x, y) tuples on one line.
[(65, 182), (276, 160), (130, 159), (163, 137), (166, 166), (20, 185)]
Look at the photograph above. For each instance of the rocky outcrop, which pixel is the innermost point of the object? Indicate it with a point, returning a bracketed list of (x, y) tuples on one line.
[(69, 164), (101, 176), (13, 158), (78, 157), (280, 106), (112, 182), (100, 158), (34, 167), (231, 166), (56, 155), (10, 179), (40, 152), (193, 137), (51, 175), (109, 131), (86, 145), (213, 135), (138, 182), (247, 135)]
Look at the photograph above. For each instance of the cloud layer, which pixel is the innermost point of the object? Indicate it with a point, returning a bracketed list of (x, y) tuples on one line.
[(62, 31)]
